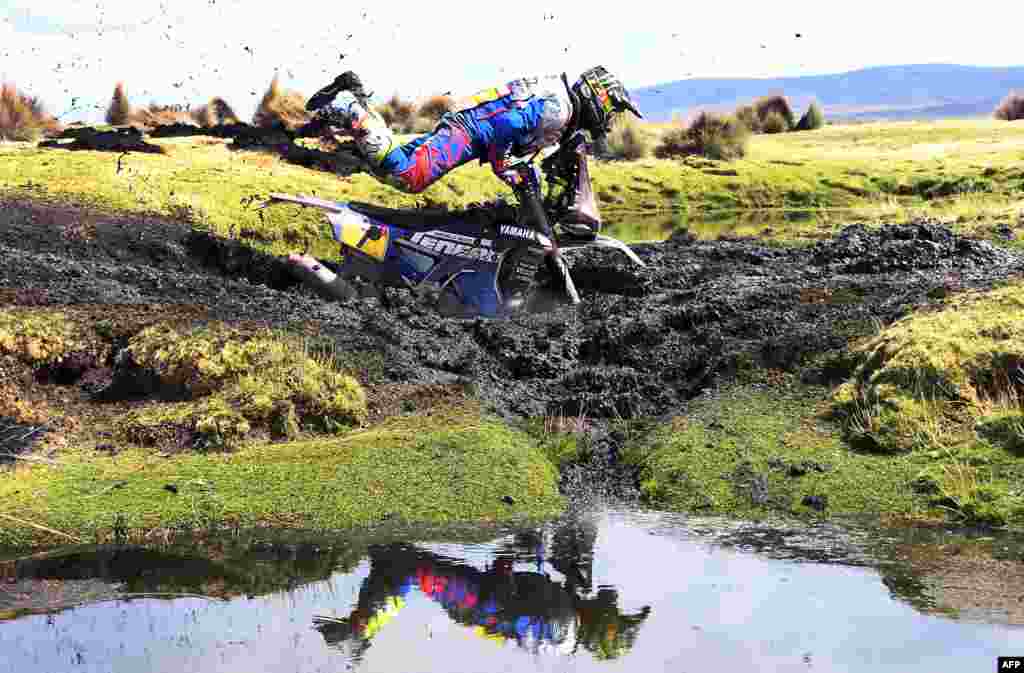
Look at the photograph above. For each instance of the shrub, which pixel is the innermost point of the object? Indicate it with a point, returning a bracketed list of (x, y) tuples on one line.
[(764, 106), (813, 118), (22, 117), (399, 114), (627, 140), (1011, 108), (216, 112), (280, 107), (435, 107), (710, 135), (774, 122), (120, 110), (747, 115), (161, 115)]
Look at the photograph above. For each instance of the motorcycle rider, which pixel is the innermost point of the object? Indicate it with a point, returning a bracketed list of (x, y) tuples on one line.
[(496, 125)]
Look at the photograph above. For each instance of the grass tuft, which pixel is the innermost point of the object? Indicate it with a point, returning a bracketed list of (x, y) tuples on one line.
[(628, 140), (812, 119), (399, 114), (768, 106), (236, 382), (281, 107), (22, 117), (1010, 108), (119, 112), (709, 135)]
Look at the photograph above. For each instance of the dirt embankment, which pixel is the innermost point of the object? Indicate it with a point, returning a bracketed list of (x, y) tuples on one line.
[(642, 342)]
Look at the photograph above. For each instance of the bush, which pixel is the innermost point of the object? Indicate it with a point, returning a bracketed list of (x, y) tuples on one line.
[(214, 113), (627, 140), (22, 117), (281, 107), (399, 114), (813, 119), (774, 122), (710, 135), (161, 115), (748, 117), (120, 110), (763, 107), (1011, 108), (435, 107)]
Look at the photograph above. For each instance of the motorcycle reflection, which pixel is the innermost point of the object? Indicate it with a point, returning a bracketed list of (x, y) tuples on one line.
[(498, 602)]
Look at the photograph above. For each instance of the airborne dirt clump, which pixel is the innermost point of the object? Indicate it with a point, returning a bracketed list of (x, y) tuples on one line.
[(642, 343)]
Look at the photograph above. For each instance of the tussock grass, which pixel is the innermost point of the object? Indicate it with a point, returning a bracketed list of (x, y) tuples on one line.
[(708, 135), (948, 384), (162, 115), (240, 382), (629, 140), (812, 119), (768, 107), (1011, 108), (400, 115), (434, 107), (281, 107), (119, 112), (23, 117)]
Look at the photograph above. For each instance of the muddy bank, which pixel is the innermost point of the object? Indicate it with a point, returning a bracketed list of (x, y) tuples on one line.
[(642, 342)]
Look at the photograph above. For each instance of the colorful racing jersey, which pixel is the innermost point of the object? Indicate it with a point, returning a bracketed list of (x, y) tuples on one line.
[(519, 118)]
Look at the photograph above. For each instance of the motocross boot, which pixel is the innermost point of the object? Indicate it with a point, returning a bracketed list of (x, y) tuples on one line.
[(345, 103)]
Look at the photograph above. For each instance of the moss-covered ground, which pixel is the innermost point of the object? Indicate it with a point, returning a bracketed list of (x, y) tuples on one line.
[(244, 427), (439, 466), (929, 425)]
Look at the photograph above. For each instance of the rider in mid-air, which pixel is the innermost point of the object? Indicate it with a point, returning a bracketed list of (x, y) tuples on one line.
[(495, 125)]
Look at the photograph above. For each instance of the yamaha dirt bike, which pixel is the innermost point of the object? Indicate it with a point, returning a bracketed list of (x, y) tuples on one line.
[(480, 262)]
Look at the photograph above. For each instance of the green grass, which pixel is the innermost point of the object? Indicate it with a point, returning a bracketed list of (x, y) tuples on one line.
[(446, 466), (930, 423), (701, 461), (966, 171)]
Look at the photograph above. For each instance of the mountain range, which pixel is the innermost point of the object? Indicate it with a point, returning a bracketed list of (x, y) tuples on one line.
[(932, 91)]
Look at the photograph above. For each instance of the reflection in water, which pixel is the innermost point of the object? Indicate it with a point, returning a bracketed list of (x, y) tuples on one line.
[(497, 602), (610, 592)]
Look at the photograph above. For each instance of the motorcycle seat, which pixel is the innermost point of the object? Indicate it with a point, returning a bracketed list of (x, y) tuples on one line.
[(425, 219)]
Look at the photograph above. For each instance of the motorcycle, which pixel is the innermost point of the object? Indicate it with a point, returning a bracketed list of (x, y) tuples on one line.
[(486, 262)]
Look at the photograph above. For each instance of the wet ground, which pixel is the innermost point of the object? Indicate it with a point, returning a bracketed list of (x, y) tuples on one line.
[(604, 591), (642, 342)]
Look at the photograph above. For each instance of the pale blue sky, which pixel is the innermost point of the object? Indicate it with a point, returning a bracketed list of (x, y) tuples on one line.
[(185, 51)]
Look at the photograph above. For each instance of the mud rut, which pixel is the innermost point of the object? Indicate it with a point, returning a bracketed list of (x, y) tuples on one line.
[(642, 342)]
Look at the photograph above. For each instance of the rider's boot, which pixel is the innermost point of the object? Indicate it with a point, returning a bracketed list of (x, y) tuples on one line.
[(346, 104)]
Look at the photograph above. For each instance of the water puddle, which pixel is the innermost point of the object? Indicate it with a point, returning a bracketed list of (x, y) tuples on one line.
[(613, 591)]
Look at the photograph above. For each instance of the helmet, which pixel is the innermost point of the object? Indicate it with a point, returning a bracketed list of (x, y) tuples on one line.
[(601, 97)]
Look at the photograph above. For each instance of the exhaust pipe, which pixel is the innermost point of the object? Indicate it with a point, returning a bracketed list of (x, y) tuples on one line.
[(317, 276)]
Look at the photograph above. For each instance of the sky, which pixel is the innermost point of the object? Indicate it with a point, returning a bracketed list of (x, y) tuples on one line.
[(71, 54)]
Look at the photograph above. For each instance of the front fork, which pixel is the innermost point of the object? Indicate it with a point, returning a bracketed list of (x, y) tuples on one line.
[(527, 187)]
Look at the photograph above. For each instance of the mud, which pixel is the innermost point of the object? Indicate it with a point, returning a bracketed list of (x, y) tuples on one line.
[(642, 342)]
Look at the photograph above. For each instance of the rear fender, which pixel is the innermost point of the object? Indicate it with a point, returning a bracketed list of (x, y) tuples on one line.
[(602, 241)]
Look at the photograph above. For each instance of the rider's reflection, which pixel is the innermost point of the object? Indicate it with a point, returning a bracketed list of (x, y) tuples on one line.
[(499, 602)]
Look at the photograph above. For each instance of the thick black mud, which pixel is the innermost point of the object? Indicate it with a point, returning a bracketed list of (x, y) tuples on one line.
[(642, 342)]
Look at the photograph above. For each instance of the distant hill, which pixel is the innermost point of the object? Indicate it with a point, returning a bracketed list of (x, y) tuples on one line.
[(886, 92)]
